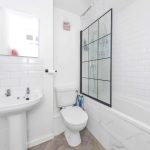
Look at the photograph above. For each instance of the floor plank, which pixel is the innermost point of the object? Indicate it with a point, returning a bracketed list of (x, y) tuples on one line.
[(89, 142)]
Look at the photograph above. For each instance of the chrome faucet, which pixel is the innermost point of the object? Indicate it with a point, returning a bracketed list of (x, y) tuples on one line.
[(28, 91), (8, 92)]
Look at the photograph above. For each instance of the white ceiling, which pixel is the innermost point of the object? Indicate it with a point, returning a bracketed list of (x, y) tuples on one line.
[(80, 6), (74, 6)]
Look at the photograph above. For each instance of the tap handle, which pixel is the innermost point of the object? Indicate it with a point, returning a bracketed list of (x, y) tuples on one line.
[(28, 90), (8, 92)]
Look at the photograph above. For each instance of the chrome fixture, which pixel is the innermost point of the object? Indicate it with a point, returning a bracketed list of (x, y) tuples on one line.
[(28, 90), (8, 92)]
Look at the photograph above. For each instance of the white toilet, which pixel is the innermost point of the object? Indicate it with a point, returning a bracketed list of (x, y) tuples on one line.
[(74, 117)]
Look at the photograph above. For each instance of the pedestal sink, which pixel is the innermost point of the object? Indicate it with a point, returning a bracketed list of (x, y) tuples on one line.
[(14, 108)]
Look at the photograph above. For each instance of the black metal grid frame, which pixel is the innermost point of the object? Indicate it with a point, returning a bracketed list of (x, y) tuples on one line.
[(110, 34)]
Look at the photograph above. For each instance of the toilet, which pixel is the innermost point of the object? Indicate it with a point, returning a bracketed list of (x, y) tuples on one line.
[(75, 118)]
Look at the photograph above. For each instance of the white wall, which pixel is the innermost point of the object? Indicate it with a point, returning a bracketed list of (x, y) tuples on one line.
[(40, 121), (66, 48), (130, 78), (66, 54)]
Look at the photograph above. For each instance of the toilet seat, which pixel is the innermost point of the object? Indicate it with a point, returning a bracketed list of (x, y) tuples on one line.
[(74, 115)]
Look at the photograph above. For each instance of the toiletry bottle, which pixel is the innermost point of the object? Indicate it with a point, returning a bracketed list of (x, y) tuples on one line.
[(82, 102), (77, 100)]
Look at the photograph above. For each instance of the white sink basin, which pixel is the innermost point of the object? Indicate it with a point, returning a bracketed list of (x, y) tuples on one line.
[(14, 108), (16, 104)]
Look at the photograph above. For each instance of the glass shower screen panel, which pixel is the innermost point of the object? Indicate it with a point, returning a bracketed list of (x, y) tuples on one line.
[(96, 60)]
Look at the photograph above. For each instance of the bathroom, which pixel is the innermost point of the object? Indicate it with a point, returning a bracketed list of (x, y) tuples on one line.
[(33, 82)]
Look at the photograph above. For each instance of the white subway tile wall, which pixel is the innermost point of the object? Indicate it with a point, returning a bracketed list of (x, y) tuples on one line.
[(20, 73), (130, 78)]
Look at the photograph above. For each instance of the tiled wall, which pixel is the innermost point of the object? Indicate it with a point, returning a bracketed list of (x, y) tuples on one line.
[(130, 79), (17, 74), (131, 61), (20, 73)]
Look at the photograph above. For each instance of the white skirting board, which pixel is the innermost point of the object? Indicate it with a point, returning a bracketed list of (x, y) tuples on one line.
[(58, 129), (40, 140)]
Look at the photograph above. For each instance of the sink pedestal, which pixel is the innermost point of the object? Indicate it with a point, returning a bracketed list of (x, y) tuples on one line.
[(14, 110), (17, 131)]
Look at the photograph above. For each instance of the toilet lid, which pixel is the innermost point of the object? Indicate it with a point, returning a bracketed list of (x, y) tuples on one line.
[(74, 115)]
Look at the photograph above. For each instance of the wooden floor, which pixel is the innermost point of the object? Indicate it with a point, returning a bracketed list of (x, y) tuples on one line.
[(59, 143)]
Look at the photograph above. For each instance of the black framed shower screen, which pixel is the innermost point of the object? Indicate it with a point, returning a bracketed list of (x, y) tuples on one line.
[(96, 60)]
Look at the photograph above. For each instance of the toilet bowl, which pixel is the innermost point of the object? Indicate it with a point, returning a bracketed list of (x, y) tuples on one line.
[(75, 120)]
